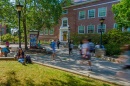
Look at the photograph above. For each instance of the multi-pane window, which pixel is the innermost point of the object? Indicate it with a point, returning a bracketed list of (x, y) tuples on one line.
[(82, 15), (51, 31), (65, 11), (2, 30), (81, 30), (46, 31), (115, 25), (91, 13), (41, 32), (64, 23), (99, 28), (90, 28), (128, 29), (102, 12)]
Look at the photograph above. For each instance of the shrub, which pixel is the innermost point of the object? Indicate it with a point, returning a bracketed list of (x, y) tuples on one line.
[(7, 37), (112, 49)]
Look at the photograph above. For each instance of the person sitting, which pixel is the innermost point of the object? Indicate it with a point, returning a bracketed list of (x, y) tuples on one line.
[(21, 56), (4, 51)]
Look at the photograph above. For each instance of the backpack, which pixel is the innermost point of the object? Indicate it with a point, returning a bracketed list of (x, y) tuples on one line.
[(28, 59)]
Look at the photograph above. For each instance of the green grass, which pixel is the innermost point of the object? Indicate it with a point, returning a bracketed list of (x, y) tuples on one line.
[(13, 73)]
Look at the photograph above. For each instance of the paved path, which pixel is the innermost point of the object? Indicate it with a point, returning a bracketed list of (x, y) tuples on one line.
[(101, 68)]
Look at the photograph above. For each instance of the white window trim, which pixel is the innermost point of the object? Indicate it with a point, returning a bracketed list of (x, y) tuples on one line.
[(65, 18), (79, 15), (106, 12), (94, 14), (67, 11), (114, 25), (87, 29), (128, 29), (49, 32), (81, 33), (100, 24), (44, 32)]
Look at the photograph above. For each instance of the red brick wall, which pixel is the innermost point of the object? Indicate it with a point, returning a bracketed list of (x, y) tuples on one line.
[(74, 22), (3, 27)]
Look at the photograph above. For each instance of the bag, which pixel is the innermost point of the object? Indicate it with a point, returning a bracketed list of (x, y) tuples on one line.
[(28, 59)]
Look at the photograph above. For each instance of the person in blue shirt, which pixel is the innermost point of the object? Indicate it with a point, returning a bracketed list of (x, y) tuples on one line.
[(53, 48), (3, 51)]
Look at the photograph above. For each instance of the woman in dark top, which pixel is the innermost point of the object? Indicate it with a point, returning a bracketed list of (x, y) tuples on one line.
[(21, 56)]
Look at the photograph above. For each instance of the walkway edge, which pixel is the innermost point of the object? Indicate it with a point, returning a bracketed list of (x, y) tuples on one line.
[(121, 83)]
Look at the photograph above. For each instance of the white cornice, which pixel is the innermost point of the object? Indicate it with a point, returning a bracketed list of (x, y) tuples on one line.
[(96, 5)]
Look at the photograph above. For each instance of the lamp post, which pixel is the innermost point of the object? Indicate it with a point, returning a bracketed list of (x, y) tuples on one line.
[(68, 35), (1, 35), (19, 8), (101, 21)]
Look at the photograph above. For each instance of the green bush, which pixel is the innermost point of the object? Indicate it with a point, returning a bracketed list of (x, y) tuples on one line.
[(8, 37), (112, 40), (76, 38), (112, 49)]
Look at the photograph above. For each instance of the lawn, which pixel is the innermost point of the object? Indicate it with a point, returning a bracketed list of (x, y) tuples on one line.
[(13, 73)]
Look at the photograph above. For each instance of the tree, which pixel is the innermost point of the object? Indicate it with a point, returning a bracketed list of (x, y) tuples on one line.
[(35, 14), (122, 13)]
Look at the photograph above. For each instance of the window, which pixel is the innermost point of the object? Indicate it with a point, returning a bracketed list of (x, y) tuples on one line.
[(64, 23), (99, 28), (128, 29), (82, 15), (115, 25), (41, 32), (91, 13), (46, 31), (102, 12), (65, 11), (90, 29), (51, 31), (81, 29)]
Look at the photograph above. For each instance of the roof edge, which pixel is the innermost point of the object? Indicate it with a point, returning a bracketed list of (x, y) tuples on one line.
[(81, 3)]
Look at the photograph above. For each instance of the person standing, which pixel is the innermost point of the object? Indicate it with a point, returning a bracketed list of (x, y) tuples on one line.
[(53, 48), (70, 48), (80, 47), (7, 44), (58, 43), (86, 52), (91, 47)]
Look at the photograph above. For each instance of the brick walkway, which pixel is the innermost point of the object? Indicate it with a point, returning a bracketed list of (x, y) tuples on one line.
[(102, 69)]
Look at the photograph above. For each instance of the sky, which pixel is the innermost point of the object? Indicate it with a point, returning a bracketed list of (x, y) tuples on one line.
[(12, 0)]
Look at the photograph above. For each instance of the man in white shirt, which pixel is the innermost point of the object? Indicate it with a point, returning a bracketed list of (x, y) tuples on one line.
[(86, 52)]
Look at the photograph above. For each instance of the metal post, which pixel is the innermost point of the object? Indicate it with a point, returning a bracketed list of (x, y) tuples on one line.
[(1, 35), (101, 36), (19, 30), (68, 36)]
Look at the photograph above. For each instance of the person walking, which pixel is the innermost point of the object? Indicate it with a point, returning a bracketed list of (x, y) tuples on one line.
[(86, 52), (80, 47), (91, 47), (53, 49), (58, 43), (70, 48)]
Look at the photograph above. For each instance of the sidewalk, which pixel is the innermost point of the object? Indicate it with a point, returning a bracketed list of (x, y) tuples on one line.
[(103, 70)]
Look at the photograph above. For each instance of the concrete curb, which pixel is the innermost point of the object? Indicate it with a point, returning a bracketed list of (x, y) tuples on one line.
[(118, 83)]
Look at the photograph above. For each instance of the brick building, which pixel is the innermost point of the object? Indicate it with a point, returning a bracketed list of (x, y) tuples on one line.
[(2, 29), (83, 18)]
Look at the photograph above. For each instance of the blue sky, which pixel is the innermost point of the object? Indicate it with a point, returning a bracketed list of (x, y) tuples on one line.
[(12, 0)]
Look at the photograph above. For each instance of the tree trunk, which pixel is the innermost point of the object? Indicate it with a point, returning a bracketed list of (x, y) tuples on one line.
[(24, 25)]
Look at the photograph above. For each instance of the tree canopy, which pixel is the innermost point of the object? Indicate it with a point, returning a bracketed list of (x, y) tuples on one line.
[(122, 13)]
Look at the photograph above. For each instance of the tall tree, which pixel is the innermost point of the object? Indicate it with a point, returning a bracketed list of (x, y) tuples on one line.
[(122, 13), (35, 14)]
